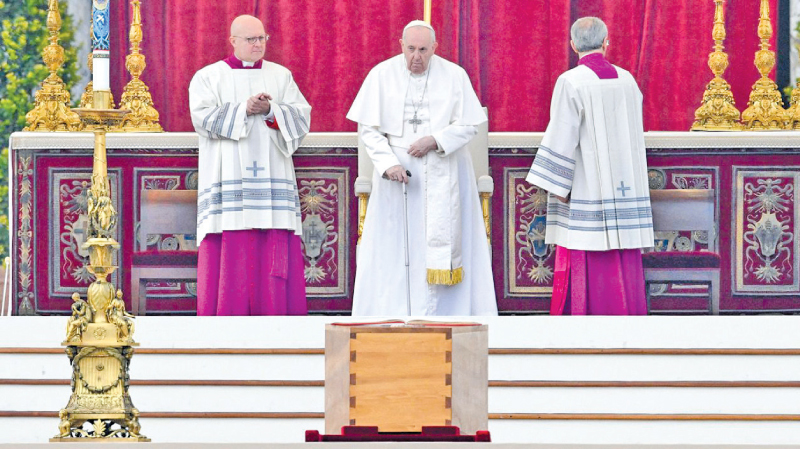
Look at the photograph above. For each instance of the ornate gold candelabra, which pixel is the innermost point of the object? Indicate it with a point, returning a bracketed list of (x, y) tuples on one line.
[(718, 112), (765, 108), (51, 111), (137, 98), (99, 335)]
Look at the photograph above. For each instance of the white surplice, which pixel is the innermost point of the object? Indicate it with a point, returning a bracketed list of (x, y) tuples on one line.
[(246, 175), (593, 151), (448, 110)]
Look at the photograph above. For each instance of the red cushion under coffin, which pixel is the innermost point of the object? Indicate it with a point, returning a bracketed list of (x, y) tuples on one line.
[(165, 258), (370, 433), (681, 259)]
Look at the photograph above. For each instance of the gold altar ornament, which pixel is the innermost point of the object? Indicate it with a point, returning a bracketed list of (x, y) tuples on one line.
[(765, 108), (136, 97), (717, 113), (99, 334), (51, 111)]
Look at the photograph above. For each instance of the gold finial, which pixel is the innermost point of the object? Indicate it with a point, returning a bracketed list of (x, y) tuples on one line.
[(137, 98), (51, 111), (765, 108), (718, 111)]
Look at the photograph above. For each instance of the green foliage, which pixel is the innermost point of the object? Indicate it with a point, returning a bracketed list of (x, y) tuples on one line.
[(23, 35)]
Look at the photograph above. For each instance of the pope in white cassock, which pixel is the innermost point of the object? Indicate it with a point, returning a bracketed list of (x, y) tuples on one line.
[(417, 112), (251, 118), (592, 162)]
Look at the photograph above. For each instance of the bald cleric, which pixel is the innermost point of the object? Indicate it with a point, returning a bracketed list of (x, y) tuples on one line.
[(417, 112), (251, 118)]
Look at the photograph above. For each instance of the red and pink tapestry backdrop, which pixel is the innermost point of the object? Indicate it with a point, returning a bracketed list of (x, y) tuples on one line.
[(513, 50)]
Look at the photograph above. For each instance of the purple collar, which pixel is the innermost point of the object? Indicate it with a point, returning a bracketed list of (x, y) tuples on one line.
[(599, 65), (236, 63)]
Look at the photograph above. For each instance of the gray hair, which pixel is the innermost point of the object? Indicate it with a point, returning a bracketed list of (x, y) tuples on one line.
[(588, 33), (420, 23)]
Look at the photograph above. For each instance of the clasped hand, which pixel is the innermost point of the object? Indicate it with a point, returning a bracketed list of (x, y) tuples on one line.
[(259, 104), (418, 149), (422, 146)]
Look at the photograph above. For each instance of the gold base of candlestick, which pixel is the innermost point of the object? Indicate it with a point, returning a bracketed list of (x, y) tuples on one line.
[(793, 113), (143, 116), (87, 98), (765, 109), (717, 113), (51, 112)]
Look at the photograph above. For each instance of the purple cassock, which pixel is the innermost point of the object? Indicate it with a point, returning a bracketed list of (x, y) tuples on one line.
[(251, 271), (598, 282)]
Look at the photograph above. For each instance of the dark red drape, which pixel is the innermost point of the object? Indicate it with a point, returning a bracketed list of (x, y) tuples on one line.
[(513, 50)]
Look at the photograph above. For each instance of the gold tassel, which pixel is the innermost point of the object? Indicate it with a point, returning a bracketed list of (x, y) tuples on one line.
[(445, 277)]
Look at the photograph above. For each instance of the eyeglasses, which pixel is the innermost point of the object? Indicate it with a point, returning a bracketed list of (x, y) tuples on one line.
[(253, 40)]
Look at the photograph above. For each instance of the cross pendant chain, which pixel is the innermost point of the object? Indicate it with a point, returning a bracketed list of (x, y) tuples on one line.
[(415, 121)]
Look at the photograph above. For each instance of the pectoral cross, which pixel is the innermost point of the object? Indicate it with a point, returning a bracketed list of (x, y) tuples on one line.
[(415, 121)]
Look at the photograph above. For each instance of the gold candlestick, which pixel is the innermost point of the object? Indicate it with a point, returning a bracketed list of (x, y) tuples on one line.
[(99, 337), (765, 108), (51, 111), (717, 113), (137, 98)]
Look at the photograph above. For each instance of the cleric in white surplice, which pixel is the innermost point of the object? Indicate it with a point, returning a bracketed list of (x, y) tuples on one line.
[(250, 117), (417, 111), (592, 162)]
